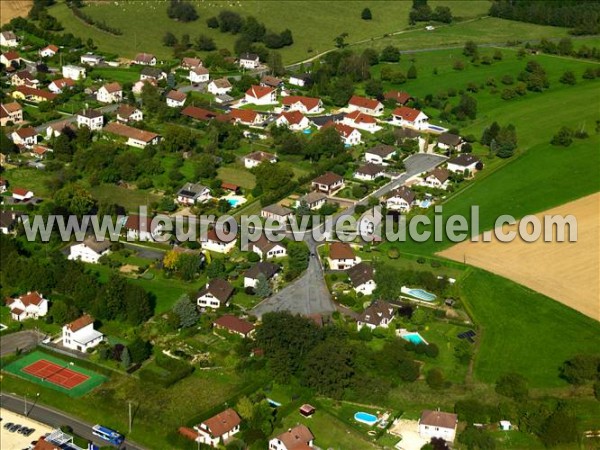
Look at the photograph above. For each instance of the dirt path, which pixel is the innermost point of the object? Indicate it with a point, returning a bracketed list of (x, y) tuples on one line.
[(567, 272), (9, 9)]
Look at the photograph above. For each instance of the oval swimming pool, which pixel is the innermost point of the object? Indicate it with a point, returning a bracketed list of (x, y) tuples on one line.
[(364, 417)]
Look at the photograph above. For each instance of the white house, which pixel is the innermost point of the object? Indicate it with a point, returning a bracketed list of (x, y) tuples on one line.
[(214, 243), (449, 141), (306, 105), (277, 212), (264, 269), (267, 249), (176, 99), (380, 154), (437, 178), (246, 117), (199, 75), (218, 429), (21, 194), (215, 294), (144, 59), (23, 78), (143, 231), (365, 105), (49, 51), (219, 86), (249, 61), (26, 136), (294, 120), (256, 158), (362, 121), (438, 424), (135, 137), (90, 250), (59, 86), (91, 59), (191, 63), (350, 136), (110, 93), (28, 306), (297, 438), (9, 220), (313, 200), (369, 172), (192, 193), (341, 256), (401, 199), (152, 74), (378, 314), (90, 118), (361, 277), (410, 117), (328, 183), (8, 39), (261, 95), (57, 128), (10, 112), (80, 334), (73, 72), (10, 58), (301, 79), (465, 163), (128, 113)]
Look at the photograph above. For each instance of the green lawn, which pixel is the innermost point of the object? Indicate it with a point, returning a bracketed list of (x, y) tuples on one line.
[(129, 75), (314, 24), (29, 178), (130, 199), (523, 331), (237, 175)]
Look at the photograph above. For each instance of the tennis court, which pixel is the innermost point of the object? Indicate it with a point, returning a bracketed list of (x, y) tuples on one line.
[(55, 373)]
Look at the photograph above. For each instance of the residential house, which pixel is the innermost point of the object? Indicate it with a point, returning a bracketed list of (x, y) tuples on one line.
[(449, 141), (341, 256), (356, 119), (176, 99), (297, 438), (306, 105), (256, 158), (28, 306), (234, 325), (11, 112), (246, 117), (49, 51), (138, 86), (218, 429), (8, 39), (294, 120), (199, 75), (9, 220), (23, 78), (214, 243), (401, 134), (349, 136), (401, 199), (33, 95), (465, 163), (10, 59), (272, 82), (249, 61), (328, 183), (22, 194), (153, 74), (90, 118), (410, 117), (362, 279), (3, 185), (26, 136), (380, 154), (144, 59), (438, 178), (438, 424), (400, 97), (320, 121), (261, 269), (277, 212), (215, 294), (220, 86), (57, 128), (378, 314), (300, 79), (135, 137), (313, 200), (369, 172), (91, 59), (267, 249), (61, 85), (261, 95), (128, 113), (40, 151), (192, 193), (110, 93), (90, 250), (80, 334), (365, 105), (191, 63), (198, 113), (230, 187), (73, 72), (143, 230)]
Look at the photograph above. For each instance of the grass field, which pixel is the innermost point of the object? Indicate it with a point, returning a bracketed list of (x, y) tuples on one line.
[(16, 368), (29, 178), (524, 331), (237, 175), (314, 24), (130, 199)]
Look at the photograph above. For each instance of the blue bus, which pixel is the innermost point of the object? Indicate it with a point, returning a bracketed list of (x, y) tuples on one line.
[(107, 434)]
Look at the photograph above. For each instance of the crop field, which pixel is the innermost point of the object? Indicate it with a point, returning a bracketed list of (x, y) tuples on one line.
[(10, 9)]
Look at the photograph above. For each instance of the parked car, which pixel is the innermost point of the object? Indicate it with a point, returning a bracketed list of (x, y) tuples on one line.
[(30, 432), (8, 425)]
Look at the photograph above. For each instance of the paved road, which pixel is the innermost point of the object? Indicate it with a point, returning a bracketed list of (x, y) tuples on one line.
[(56, 418), (23, 340)]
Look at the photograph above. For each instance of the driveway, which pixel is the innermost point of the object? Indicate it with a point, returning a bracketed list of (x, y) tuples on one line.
[(21, 340), (145, 252)]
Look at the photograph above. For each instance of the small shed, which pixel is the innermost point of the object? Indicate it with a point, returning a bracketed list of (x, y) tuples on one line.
[(307, 410), (505, 425)]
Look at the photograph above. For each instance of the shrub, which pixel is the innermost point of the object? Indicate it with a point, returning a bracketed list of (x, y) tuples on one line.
[(435, 378), (432, 350), (458, 65), (507, 79), (393, 253), (420, 260), (512, 385)]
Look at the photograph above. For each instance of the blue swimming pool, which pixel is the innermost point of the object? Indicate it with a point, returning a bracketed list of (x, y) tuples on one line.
[(436, 128), (233, 202), (364, 417), (425, 203), (307, 131), (422, 295), (414, 338)]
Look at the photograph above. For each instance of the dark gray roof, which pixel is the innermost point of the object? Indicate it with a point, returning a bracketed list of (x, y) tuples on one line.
[(464, 160), (151, 72), (360, 273), (267, 269), (219, 288), (405, 133), (382, 150), (449, 139), (322, 120), (370, 169), (375, 313)]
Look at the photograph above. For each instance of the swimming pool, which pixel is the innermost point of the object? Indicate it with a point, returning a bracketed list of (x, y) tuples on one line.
[(414, 338), (420, 294), (436, 128), (233, 202), (364, 417), (307, 131), (425, 203)]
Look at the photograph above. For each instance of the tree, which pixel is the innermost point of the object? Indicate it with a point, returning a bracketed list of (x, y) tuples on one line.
[(506, 141), (435, 378), (216, 269), (442, 14), (138, 304), (204, 166), (463, 352), (188, 265), (182, 11), (472, 411), (477, 438), (559, 428), (169, 39), (329, 368), (59, 312), (205, 43), (374, 88), (139, 349), (512, 385), (340, 41), (125, 359), (568, 78), (262, 289), (298, 254), (563, 138), (408, 370), (212, 22), (390, 54), (580, 369), (371, 56), (411, 74), (187, 312), (75, 199), (471, 50), (366, 14), (230, 22), (275, 62), (597, 390), (490, 133)]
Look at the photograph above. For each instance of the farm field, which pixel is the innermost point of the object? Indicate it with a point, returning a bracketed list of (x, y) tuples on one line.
[(314, 24), (9, 9), (130, 199), (542, 266)]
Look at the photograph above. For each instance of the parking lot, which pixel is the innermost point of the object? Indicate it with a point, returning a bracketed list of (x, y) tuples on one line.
[(15, 440)]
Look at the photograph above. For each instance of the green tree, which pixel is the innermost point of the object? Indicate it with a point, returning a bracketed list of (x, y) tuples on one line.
[(187, 312), (59, 312), (262, 289), (205, 43), (471, 50), (512, 385), (568, 78), (442, 14), (75, 199), (477, 438), (125, 359), (563, 138), (411, 74), (169, 39), (329, 368), (139, 349), (580, 369), (435, 378), (366, 14), (559, 428), (374, 88), (216, 269), (188, 265), (390, 54)]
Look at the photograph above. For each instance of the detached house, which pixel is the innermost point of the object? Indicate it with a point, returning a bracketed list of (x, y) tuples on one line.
[(199, 75), (297, 438), (361, 277), (33, 95), (350, 136), (90, 250), (300, 79), (198, 113), (267, 249), (449, 141), (216, 294), (60, 86), (234, 325), (27, 136), (306, 105), (11, 112), (249, 61), (356, 119), (379, 314), (28, 306), (400, 97), (128, 113), (401, 199), (90, 118), (218, 429), (143, 230), (369, 172), (192, 193), (256, 158), (277, 212), (9, 220), (135, 137), (73, 72), (261, 95), (152, 74), (314, 200), (465, 163), (328, 183), (80, 334), (23, 78), (380, 154), (110, 93), (246, 117), (8, 39), (262, 268), (438, 178), (10, 59), (49, 51), (341, 256), (294, 120), (365, 105), (409, 117), (220, 86), (214, 243), (91, 59), (438, 424), (21, 194), (144, 59), (271, 82), (58, 128), (176, 99)]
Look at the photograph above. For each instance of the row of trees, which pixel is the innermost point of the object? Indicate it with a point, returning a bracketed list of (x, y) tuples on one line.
[(422, 12)]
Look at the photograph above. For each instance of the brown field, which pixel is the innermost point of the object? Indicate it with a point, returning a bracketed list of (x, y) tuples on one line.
[(10, 9), (567, 272)]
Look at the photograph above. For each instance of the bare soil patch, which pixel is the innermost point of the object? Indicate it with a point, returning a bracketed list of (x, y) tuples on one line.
[(567, 271), (128, 268), (9, 9)]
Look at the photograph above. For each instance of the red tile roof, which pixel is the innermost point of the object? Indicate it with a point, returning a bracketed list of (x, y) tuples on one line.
[(439, 419), (111, 88), (364, 102), (408, 114), (243, 115), (130, 132), (176, 95), (144, 57), (29, 91), (399, 96), (328, 178), (52, 47), (296, 438), (234, 324), (343, 130), (308, 102), (341, 250), (78, 324), (134, 223), (198, 113), (31, 298), (20, 191), (26, 132), (292, 117), (12, 55), (223, 422), (259, 91), (358, 117)]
